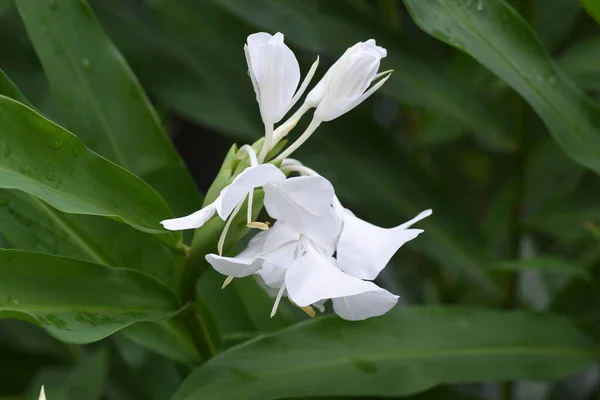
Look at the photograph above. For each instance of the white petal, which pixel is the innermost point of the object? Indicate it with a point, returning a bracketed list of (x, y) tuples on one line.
[(365, 249), (278, 235), (234, 266), (247, 180), (272, 276), (304, 204), (314, 277), (310, 194), (42, 394), (365, 305), (192, 221), (259, 38), (271, 291)]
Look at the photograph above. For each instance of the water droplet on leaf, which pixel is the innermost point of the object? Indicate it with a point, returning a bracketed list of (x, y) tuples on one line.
[(86, 64)]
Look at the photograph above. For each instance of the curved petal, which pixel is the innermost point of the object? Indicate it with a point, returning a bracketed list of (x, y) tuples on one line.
[(314, 277), (192, 221), (42, 394), (272, 275), (250, 178), (304, 204), (237, 267), (278, 235), (365, 249), (365, 305)]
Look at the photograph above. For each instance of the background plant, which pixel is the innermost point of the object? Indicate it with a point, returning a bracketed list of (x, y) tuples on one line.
[(494, 125)]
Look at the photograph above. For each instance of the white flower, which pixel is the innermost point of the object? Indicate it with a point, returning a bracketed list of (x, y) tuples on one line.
[(364, 249), (229, 198), (306, 273), (275, 75), (42, 394), (345, 84)]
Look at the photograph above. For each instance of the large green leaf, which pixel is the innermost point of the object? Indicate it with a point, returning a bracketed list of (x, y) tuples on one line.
[(404, 352), (593, 8), (28, 223), (166, 338), (78, 301), (417, 79), (43, 159), (494, 34), (100, 99)]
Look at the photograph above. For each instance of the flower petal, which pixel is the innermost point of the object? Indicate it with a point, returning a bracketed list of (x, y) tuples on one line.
[(365, 305), (250, 178), (237, 267), (192, 221), (272, 275), (364, 249), (304, 204), (314, 277), (42, 394)]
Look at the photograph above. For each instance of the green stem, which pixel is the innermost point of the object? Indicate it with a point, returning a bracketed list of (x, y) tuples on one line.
[(194, 319)]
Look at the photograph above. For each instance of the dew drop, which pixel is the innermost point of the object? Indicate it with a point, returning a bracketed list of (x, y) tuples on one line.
[(56, 183), (50, 176), (57, 144), (86, 64)]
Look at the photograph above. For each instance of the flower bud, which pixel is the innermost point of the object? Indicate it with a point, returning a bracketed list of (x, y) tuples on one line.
[(346, 83), (274, 72)]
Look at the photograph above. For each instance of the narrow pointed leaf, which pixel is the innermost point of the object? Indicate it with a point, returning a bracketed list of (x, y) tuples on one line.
[(43, 159), (100, 99), (493, 33), (404, 352), (78, 301)]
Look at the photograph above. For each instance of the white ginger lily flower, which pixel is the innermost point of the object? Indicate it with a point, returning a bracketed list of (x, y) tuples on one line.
[(306, 273), (344, 86), (275, 76)]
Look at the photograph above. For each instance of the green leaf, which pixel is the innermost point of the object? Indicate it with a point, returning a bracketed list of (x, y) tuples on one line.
[(593, 8), (167, 338), (417, 79), (77, 301), (44, 160), (84, 381), (101, 100), (549, 176), (581, 63), (543, 264), (494, 34), (407, 351), (30, 224)]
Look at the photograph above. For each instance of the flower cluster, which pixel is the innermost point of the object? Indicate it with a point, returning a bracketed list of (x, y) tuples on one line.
[(316, 250)]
